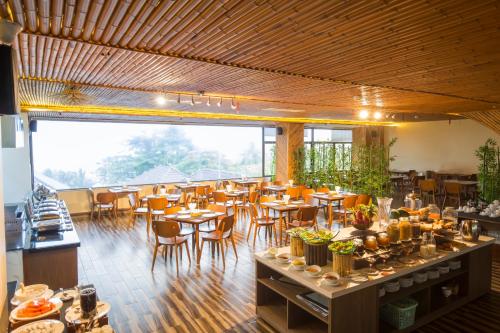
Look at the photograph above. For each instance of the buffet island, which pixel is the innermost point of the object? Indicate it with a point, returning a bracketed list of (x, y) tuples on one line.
[(398, 291)]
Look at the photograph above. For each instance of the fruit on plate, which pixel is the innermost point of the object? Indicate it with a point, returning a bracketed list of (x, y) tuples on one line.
[(363, 216), (298, 262), (35, 308)]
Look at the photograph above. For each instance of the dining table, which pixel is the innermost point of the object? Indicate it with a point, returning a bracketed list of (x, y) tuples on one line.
[(277, 189), (330, 199), (247, 183), (467, 186), (235, 195), (189, 187), (171, 197), (187, 217), (123, 191), (284, 211)]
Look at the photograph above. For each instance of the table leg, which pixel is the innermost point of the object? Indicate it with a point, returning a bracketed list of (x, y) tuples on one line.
[(330, 214), (280, 221), (197, 241)]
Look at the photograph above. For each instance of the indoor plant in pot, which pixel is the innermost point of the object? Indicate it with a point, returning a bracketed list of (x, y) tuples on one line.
[(363, 216), (342, 256), (296, 243), (316, 246)]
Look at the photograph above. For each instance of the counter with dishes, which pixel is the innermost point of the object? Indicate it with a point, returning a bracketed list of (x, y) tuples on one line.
[(375, 290)]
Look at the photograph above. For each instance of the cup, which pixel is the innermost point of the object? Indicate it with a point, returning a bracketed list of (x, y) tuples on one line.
[(163, 190), (290, 182), (229, 188), (286, 198), (88, 302)]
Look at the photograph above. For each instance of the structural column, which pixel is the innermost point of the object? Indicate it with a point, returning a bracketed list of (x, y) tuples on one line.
[(291, 138)]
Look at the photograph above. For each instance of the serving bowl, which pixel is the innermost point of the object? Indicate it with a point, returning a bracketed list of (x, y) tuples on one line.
[(331, 279), (392, 286), (283, 258), (313, 271)]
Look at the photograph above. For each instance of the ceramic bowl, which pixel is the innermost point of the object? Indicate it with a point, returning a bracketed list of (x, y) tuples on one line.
[(420, 277), (406, 282), (455, 264), (446, 291), (392, 287), (283, 258), (443, 269), (433, 274), (331, 279), (313, 271)]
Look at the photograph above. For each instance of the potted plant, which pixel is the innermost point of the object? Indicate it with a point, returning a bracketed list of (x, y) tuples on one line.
[(316, 246), (342, 256), (489, 170), (363, 216), (296, 243)]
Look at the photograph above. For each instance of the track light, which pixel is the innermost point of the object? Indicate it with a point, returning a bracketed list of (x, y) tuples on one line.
[(178, 98), (363, 114), (377, 115), (192, 100), (233, 105), (219, 103), (208, 101)]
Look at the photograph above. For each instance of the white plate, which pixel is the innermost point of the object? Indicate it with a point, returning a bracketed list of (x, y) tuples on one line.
[(271, 204), (73, 313), (170, 216), (50, 326), (66, 295), (183, 216), (209, 215), (204, 211), (16, 300), (56, 301), (297, 202), (291, 206)]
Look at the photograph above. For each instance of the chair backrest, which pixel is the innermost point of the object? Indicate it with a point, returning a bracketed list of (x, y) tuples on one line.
[(91, 195), (252, 197), (202, 190), (363, 199), (307, 213), (220, 196), (132, 199), (278, 182), (157, 203), (226, 225), (307, 196), (323, 190), (264, 184), (293, 192), (106, 197), (172, 210), (166, 229), (216, 208), (452, 188), (254, 213), (174, 191), (350, 201), (267, 198), (427, 185)]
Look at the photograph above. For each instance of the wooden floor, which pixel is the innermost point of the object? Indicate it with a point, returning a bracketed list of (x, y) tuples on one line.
[(117, 260)]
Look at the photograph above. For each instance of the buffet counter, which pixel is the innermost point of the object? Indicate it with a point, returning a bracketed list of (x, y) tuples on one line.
[(284, 294)]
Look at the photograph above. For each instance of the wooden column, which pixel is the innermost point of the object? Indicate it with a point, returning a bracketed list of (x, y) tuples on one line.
[(286, 143), (368, 135)]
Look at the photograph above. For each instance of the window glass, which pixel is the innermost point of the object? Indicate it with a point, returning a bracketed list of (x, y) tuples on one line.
[(269, 159), (81, 154), (269, 134), (307, 134)]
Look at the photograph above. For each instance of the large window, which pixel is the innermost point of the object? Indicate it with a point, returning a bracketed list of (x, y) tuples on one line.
[(69, 154), (269, 148), (325, 143)]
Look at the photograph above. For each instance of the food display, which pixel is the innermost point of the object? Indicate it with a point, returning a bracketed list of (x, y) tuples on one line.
[(298, 264), (313, 271), (404, 229), (363, 216), (331, 279), (393, 231), (36, 308), (415, 226), (342, 256), (42, 326), (316, 246), (428, 246), (371, 243), (296, 243), (383, 239)]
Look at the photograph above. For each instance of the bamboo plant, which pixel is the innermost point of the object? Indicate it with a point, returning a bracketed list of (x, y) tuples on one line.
[(489, 170)]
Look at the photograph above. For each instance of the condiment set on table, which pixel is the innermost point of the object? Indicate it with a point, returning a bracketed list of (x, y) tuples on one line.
[(39, 310)]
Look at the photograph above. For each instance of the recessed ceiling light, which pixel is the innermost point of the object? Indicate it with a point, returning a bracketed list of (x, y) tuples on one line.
[(377, 115), (363, 114), (160, 100)]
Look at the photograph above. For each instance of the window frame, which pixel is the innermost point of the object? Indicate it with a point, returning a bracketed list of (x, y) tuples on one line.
[(312, 143), (264, 143)]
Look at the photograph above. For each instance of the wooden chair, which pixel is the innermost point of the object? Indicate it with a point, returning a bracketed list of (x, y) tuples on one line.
[(220, 198), (278, 183), (307, 196), (106, 201), (261, 188), (136, 209), (201, 196), (453, 192), (363, 199), (306, 217), (244, 207), (264, 210), (214, 208), (220, 237), (156, 209), (257, 222), (428, 190), (93, 201), (293, 192), (347, 203), (321, 204), (167, 235)]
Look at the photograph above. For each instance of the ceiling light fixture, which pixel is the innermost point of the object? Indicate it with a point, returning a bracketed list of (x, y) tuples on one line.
[(208, 101), (233, 105), (377, 115), (192, 100), (363, 114), (161, 100), (178, 98), (219, 103)]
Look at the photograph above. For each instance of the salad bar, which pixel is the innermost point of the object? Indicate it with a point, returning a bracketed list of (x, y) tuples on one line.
[(299, 292)]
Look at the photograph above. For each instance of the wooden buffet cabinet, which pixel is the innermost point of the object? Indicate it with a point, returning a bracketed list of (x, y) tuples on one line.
[(355, 307)]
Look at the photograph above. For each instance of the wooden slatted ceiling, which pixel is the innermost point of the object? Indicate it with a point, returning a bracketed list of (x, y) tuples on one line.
[(443, 47), (489, 118)]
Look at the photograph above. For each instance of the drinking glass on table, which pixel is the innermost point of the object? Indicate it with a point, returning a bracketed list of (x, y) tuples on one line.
[(192, 205)]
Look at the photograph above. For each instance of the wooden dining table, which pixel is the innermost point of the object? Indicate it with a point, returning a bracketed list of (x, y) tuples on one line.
[(278, 189), (282, 210), (123, 191), (235, 195), (195, 221), (189, 187), (171, 198), (247, 183), (467, 186), (330, 199)]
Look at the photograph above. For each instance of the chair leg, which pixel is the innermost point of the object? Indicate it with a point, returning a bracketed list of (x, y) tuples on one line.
[(201, 250), (234, 247), (154, 257), (99, 214), (176, 260), (256, 228), (276, 235), (249, 230), (187, 251), (223, 256)]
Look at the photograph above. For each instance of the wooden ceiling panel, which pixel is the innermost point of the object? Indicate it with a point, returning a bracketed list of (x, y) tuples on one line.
[(329, 56)]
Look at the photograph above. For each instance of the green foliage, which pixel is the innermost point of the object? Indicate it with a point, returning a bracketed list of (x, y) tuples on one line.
[(367, 210), (341, 247), (296, 232), (75, 179), (322, 236), (489, 170)]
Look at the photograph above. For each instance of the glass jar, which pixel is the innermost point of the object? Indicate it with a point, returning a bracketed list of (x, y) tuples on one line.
[(450, 217), (393, 231), (404, 229), (383, 239), (371, 243), (434, 213), (415, 226), (428, 246)]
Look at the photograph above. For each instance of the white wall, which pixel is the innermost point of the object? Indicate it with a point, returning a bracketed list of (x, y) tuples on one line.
[(17, 169), (438, 145)]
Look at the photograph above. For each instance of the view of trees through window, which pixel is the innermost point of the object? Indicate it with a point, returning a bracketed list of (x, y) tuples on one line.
[(81, 154)]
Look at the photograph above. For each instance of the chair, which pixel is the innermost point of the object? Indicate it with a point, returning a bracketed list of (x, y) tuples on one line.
[(258, 222), (244, 207), (220, 237), (265, 211), (261, 188), (201, 195), (306, 217), (293, 192), (167, 235), (185, 230), (322, 205), (348, 203), (278, 183), (220, 198), (307, 196), (156, 208), (217, 209), (135, 208), (106, 201), (452, 191), (428, 190), (363, 199)]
